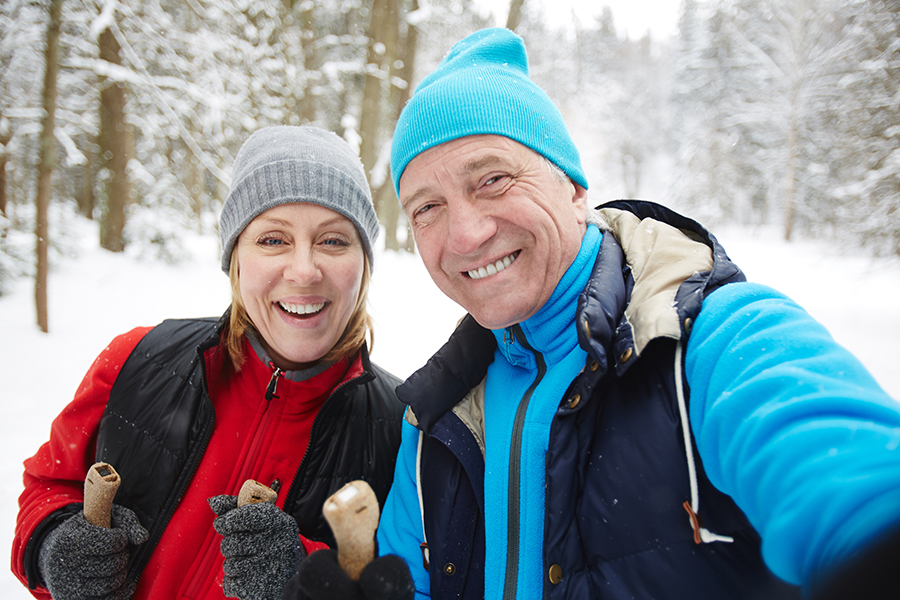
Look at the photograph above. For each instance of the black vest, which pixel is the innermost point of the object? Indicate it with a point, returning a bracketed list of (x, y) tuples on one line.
[(159, 420)]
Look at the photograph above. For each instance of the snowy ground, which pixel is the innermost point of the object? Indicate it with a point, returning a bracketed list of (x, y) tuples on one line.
[(100, 295)]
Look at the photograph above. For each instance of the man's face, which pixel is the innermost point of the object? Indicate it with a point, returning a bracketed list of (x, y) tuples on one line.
[(495, 227)]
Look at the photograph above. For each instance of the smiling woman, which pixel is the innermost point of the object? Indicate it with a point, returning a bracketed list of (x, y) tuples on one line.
[(280, 389), (299, 270)]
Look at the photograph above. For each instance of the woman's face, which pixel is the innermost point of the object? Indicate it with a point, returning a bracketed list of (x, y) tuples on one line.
[(300, 270)]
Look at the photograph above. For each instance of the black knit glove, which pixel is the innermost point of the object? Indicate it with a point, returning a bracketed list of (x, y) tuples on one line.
[(320, 577), (261, 545), (80, 561)]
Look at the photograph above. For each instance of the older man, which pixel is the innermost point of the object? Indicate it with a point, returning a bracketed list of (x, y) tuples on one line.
[(621, 415)]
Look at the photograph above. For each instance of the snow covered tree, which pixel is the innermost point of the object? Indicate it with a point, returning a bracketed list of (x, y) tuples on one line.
[(762, 96), (859, 162), (114, 142), (47, 155), (717, 146)]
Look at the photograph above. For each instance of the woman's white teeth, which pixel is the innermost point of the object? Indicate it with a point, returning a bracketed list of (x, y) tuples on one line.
[(493, 268), (302, 309)]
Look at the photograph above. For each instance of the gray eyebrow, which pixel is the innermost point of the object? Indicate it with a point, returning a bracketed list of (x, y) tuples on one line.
[(479, 163)]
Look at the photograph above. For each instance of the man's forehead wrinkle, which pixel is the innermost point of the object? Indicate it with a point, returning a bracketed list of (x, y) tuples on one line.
[(477, 164)]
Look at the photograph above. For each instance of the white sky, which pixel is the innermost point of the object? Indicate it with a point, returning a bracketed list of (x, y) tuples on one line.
[(632, 16)]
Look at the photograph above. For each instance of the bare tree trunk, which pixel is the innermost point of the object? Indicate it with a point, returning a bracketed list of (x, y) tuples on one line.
[(307, 41), (86, 198), (373, 91), (5, 137), (193, 184), (389, 213), (789, 177), (114, 150), (797, 60), (515, 14), (46, 162)]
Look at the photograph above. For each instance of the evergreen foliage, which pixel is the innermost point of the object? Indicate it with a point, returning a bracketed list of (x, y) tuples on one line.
[(758, 112)]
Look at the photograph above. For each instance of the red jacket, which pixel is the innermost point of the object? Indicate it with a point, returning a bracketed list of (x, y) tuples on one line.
[(253, 438)]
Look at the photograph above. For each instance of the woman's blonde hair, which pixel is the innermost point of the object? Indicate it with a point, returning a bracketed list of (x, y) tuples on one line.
[(352, 339)]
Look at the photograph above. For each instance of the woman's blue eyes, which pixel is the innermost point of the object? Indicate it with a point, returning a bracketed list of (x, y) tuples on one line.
[(271, 242), (277, 241)]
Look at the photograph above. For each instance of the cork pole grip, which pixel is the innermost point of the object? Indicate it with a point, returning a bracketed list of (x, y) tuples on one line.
[(100, 488), (253, 492), (352, 513)]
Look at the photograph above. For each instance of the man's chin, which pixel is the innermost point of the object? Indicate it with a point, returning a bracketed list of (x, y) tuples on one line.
[(497, 319)]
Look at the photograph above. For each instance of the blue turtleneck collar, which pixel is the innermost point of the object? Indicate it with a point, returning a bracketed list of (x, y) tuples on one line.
[(546, 329)]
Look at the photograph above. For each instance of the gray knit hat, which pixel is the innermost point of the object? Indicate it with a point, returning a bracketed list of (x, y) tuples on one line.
[(285, 164)]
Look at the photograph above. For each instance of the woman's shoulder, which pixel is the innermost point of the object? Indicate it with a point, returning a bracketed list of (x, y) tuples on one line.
[(179, 332), (385, 375)]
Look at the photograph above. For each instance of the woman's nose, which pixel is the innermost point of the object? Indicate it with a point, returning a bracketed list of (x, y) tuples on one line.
[(302, 267)]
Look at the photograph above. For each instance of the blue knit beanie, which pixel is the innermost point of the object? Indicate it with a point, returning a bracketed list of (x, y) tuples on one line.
[(482, 87)]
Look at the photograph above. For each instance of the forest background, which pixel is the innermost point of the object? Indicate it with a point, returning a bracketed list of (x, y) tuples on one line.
[(755, 112)]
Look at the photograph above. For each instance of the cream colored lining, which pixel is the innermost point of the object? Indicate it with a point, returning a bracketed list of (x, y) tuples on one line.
[(661, 257), (471, 412)]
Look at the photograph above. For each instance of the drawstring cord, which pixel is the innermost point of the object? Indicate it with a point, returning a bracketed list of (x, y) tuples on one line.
[(701, 534)]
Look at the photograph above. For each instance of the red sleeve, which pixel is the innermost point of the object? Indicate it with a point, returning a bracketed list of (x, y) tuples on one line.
[(311, 546), (54, 477)]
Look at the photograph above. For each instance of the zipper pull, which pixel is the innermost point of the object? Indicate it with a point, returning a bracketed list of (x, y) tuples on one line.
[(509, 342), (273, 383)]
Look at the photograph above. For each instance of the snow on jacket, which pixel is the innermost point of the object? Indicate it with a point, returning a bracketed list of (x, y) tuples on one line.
[(161, 406), (626, 511)]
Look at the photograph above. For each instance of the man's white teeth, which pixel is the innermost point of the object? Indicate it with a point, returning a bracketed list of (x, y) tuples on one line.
[(302, 309), (493, 268)]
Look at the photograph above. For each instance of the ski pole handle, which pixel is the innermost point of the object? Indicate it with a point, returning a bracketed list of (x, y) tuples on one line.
[(352, 512), (100, 488), (253, 492)]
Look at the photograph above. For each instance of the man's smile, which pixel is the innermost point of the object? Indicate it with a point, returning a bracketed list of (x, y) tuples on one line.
[(495, 267)]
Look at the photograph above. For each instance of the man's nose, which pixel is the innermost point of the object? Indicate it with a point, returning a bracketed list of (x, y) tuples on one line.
[(469, 227)]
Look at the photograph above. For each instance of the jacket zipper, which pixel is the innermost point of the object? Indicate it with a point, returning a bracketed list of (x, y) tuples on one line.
[(515, 472), (262, 429), (211, 552)]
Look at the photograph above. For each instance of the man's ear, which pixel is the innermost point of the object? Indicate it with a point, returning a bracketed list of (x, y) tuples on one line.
[(580, 203)]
